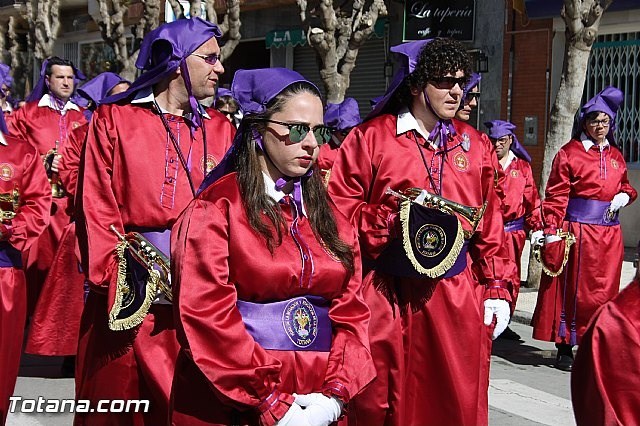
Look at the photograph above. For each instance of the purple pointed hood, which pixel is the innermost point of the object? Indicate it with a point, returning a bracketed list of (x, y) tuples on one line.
[(40, 89), (342, 116), (500, 128), (99, 87), (608, 101)]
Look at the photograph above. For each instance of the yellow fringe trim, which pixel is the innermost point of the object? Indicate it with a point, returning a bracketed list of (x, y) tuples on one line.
[(570, 239), (446, 263), (122, 288)]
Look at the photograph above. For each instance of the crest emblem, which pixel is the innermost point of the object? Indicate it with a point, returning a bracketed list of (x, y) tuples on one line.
[(461, 162), (210, 164), (614, 164), (6, 171), (300, 322), (430, 240), (466, 142), (514, 173), (75, 125)]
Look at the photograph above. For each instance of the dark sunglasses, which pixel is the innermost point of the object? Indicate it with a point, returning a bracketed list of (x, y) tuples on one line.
[(210, 59), (472, 95), (299, 131), (449, 82)]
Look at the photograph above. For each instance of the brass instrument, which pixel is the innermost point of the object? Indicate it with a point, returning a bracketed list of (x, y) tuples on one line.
[(473, 215), (57, 191), (9, 202), (149, 256), (570, 240)]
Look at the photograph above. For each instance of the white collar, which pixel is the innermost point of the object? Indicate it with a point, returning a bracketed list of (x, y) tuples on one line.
[(3, 141), (587, 143), (146, 95), (270, 189), (407, 122), (510, 157), (47, 101), (7, 107)]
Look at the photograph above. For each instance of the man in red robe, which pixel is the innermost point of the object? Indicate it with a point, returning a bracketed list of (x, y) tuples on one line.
[(605, 376), (46, 121), (430, 337), (147, 151), (22, 220)]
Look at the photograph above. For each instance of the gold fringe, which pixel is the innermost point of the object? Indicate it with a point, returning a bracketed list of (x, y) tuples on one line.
[(446, 263), (136, 319), (570, 239)]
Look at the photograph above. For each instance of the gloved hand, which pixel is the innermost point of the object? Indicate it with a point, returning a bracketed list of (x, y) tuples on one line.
[(55, 164), (295, 416), (536, 236), (551, 238), (500, 308), (319, 409), (619, 201)]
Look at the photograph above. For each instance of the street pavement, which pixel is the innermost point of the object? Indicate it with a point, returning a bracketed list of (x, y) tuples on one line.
[(524, 387)]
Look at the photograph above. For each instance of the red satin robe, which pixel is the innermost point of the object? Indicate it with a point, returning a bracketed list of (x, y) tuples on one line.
[(592, 175), (326, 157), (132, 177), (521, 199), (606, 372), (428, 340), (21, 169), (223, 375), (42, 127), (55, 323)]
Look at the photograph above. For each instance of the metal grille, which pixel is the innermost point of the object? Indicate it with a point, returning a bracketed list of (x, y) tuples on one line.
[(615, 61), (70, 52)]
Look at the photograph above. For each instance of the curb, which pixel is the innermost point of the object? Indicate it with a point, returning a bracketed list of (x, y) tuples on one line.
[(522, 317)]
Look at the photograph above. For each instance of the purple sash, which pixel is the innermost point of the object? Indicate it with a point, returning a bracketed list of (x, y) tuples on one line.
[(514, 225), (9, 256), (594, 212), (297, 324), (461, 262)]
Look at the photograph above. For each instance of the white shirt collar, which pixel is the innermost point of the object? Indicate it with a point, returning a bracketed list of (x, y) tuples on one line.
[(146, 95), (47, 101), (3, 141), (270, 189), (7, 107), (587, 143), (407, 122), (510, 157)]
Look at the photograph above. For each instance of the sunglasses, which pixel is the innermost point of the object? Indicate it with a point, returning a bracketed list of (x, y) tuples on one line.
[(472, 95), (449, 83), (299, 131), (210, 59)]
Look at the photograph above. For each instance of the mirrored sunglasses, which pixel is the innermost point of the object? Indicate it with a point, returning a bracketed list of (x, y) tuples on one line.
[(299, 131)]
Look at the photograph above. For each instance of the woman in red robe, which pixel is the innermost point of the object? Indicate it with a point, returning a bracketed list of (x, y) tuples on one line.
[(272, 325), (587, 187)]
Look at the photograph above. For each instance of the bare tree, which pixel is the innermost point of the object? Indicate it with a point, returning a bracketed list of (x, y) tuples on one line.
[(43, 19), (582, 21), (341, 31)]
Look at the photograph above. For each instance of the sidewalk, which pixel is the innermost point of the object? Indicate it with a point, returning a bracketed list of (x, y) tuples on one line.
[(528, 296)]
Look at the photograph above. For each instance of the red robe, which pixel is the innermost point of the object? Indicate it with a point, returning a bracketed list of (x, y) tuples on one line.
[(42, 127), (428, 340), (223, 375), (21, 169), (592, 175), (326, 157), (605, 375), (521, 200), (132, 178), (55, 323)]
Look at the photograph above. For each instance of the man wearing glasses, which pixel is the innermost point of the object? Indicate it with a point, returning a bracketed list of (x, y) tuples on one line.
[(587, 187), (147, 151), (430, 332)]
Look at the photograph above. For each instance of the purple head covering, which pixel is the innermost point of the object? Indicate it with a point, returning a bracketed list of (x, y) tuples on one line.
[(5, 76), (473, 82), (41, 88), (99, 87), (254, 89), (608, 101), (164, 50), (500, 128), (342, 116), (223, 92)]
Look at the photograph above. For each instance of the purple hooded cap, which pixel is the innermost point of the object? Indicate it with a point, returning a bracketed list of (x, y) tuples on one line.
[(253, 89), (164, 50), (5, 75), (608, 101), (40, 89), (500, 128), (473, 82), (223, 92), (99, 87), (342, 116), (408, 54)]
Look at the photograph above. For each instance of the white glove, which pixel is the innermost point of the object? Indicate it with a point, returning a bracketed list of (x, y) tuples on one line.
[(536, 236), (319, 409), (500, 308), (295, 416), (619, 201), (551, 238)]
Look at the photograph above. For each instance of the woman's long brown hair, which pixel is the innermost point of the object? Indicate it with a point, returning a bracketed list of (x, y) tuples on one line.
[(258, 204)]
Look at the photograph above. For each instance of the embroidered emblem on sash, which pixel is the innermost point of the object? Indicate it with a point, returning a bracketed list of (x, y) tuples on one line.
[(466, 142), (75, 125), (461, 162), (6, 171), (614, 164), (430, 240), (211, 163), (514, 173), (300, 322)]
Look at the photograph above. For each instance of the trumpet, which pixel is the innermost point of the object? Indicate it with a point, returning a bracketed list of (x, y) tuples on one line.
[(9, 202), (473, 215), (57, 191), (150, 257)]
